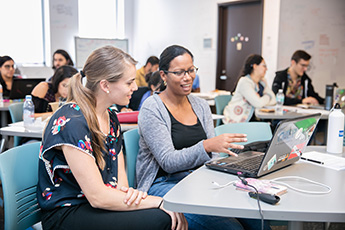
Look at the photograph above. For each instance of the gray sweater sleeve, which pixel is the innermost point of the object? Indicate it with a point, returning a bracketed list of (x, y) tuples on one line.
[(156, 146)]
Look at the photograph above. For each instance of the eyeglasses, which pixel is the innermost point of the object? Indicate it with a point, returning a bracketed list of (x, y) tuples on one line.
[(305, 66), (9, 66), (181, 73)]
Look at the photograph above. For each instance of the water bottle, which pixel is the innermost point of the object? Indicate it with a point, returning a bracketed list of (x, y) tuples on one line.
[(335, 132), (329, 97), (1, 98), (28, 112), (280, 102)]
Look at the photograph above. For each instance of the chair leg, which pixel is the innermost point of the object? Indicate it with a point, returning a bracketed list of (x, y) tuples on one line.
[(327, 225), (2, 144)]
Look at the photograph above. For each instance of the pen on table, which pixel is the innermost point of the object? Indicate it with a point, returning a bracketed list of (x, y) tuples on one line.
[(311, 160)]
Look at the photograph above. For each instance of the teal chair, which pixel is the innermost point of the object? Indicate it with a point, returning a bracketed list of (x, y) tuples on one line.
[(16, 112), (220, 102), (256, 131), (19, 175), (131, 143)]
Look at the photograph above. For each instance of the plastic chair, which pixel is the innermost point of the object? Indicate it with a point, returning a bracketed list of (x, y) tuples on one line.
[(131, 143), (256, 131), (16, 112), (220, 102), (19, 176)]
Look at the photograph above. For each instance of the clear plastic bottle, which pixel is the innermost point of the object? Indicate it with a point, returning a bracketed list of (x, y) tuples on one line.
[(335, 131), (1, 98), (280, 97), (28, 112)]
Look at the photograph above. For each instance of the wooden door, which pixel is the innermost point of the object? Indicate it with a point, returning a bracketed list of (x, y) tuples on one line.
[(239, 34)]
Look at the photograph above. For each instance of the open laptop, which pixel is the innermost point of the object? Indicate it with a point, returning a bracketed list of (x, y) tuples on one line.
[(22, 87), (286, 147)]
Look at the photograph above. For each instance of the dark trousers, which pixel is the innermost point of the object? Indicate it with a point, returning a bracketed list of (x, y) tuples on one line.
[(86, 217)]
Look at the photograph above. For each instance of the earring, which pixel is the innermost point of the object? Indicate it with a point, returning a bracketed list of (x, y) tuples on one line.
[(165, 83), (108, 91)]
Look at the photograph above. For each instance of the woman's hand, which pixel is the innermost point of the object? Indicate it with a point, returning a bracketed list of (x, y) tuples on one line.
[(223, 142), (133, 195), (178, 221)]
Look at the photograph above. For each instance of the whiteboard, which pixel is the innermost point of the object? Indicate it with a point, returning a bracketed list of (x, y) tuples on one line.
[(318, 27), (85, 46)]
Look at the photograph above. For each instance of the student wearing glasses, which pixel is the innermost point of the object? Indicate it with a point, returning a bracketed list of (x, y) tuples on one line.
[(251, 92), (82, 180), (177, 135), (7, 69), (295, 82)]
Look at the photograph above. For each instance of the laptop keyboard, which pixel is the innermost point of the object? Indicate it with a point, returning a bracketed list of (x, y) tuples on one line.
[(248, 164), (259, 146)]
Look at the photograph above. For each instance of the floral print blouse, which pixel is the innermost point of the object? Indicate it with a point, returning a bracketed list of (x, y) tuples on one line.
[(57, 186)]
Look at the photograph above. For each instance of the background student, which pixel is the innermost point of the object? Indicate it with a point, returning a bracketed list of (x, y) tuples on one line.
[(155, 85), (295, 82), (177, 135), (54, 91), (251, 92), (82, 181), (150, 67), (60, 58), (7, 69)]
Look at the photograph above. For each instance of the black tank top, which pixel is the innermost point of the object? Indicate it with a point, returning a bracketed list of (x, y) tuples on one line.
[(184, 136)]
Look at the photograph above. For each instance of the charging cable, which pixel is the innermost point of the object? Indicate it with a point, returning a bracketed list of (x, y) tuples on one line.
[(277, 180)]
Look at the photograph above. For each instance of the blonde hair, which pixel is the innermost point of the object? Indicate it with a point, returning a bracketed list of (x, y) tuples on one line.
[(106, 63)]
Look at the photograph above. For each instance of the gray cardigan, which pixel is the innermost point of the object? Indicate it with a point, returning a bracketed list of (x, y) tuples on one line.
[(156, 146)]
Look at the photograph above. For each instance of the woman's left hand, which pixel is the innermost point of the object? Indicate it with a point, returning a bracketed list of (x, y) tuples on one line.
[(133, 195), (223, 142)]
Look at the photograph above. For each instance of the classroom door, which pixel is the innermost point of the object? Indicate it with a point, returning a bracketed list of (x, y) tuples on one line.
[(239, 34)]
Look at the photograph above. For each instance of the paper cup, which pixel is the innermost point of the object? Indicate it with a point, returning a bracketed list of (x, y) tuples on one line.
[(54, 105)]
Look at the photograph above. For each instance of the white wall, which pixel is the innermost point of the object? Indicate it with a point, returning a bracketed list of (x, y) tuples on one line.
[(158, 24)]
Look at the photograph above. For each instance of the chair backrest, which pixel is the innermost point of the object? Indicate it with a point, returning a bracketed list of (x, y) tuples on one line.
[(220, 102), (19, 175), (16, 112), (131, 143), (256, 131)]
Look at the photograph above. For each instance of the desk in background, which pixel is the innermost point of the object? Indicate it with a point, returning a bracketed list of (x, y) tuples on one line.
[(17, 129), (209, 97), (196, 194), (291, 112)]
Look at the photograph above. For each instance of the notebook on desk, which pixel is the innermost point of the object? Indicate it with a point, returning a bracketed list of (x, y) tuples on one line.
[(22, 87), (286, 146)]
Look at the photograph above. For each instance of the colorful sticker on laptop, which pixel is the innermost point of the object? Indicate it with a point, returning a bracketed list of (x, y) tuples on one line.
[(295, 152), (283, 157), (271, 162)]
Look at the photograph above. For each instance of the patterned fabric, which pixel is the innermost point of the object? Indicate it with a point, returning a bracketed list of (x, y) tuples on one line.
[(294, 90), (50, 96), (57, 186)]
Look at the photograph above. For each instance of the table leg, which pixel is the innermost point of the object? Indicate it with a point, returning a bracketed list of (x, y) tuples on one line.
[(295, 225)]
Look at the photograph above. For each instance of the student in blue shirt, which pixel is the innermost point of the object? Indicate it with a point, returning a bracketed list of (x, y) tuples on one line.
[(155, 84)]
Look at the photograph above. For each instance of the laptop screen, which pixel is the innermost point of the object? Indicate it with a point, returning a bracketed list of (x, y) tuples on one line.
[(289, 141), (22, 87)]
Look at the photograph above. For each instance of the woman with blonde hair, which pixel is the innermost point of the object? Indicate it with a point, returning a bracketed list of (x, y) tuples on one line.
[(82, 180)]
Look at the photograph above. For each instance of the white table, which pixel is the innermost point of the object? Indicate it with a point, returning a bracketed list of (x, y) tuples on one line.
[(17, 129), (196, 194), (291, 112)]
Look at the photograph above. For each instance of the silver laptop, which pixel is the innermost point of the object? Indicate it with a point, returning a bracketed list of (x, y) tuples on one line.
[(286, 147)]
